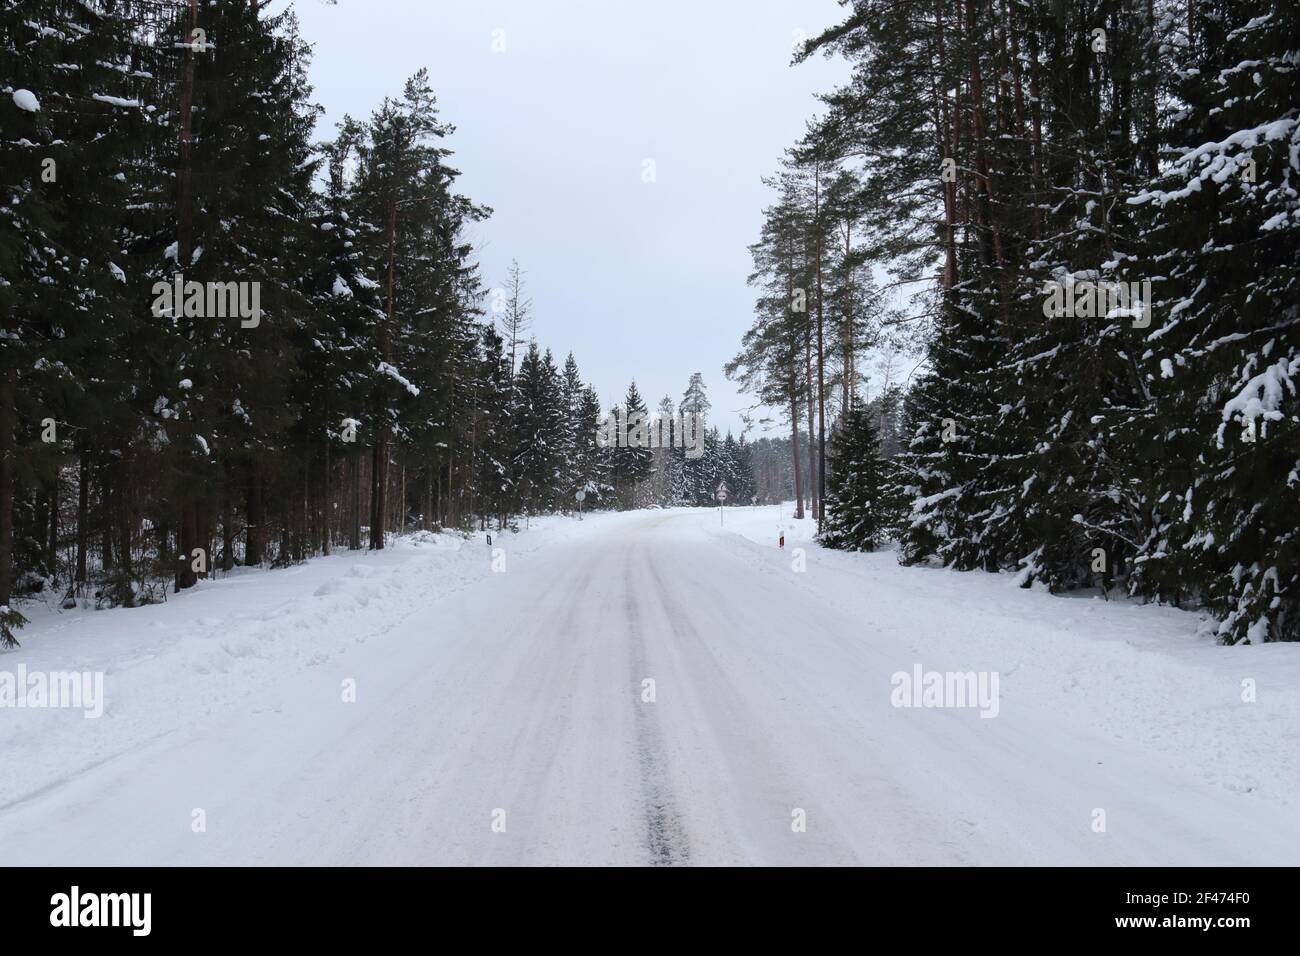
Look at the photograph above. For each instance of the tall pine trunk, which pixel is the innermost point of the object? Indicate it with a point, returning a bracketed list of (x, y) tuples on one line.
[(185, 576), (83, 516), (189, 542), (7, 453), (379, 478), (794, 450), (255, 518), (812, 446), (227, 531), (354, 526), (52, 545), (378, 491), (821, 353), (947, 125)]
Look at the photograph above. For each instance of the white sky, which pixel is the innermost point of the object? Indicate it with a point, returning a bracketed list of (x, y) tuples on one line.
[(640, 280)]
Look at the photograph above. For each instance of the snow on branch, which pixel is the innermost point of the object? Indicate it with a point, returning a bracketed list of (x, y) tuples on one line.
[(1220, 160), (392, 372)]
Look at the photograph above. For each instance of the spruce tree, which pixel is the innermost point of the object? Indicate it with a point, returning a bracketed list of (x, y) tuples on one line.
[(592, 466), (72, 122), (1217, 442), (633, 462), (860, 507), (539, 431)]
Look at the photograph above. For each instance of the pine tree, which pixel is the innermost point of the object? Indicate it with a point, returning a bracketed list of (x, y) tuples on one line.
[(666, 427), (770, 365), (404, 198), (339, 358), (515, 310), (695, 401)]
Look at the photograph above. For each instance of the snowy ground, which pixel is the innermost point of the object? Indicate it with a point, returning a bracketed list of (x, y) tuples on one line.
[(522, 691)]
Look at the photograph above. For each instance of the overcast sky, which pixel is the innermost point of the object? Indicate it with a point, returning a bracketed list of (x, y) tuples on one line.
[(639, 280)]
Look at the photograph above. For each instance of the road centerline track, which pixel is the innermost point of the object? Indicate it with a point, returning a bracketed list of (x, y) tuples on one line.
[(665, 839)]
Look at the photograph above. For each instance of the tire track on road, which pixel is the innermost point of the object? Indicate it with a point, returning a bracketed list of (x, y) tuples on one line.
[(666, 838)]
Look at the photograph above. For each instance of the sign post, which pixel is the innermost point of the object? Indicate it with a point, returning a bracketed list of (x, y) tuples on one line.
[(580, 496), (721, 495)]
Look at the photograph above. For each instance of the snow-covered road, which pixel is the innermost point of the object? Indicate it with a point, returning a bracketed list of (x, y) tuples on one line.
[(505, 717)]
